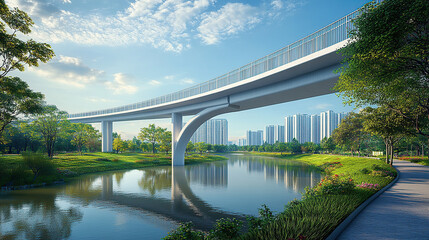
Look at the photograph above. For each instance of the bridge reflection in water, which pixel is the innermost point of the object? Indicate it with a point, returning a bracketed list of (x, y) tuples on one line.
[(164, 195)]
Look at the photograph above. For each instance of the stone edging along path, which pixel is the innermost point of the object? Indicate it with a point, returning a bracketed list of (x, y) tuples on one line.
[(344, 224)]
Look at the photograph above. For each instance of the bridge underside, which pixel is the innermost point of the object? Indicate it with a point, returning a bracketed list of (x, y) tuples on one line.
[(307, 77)]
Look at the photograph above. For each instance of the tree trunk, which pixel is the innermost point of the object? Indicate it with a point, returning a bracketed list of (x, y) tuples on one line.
[(153, 147), (387, 152), (391, 155)]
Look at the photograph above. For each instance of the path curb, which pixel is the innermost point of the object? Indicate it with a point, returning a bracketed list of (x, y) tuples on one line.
[(344, 224)]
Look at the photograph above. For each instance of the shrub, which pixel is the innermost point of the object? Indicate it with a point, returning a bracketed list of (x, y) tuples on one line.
[(225, 228), (365, 171), (331, 185), (184, 232), (39, 164), (265, 217), (20, 175), (330, 166)]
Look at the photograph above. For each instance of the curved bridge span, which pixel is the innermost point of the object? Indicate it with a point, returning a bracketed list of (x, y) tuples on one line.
[(300, 70)]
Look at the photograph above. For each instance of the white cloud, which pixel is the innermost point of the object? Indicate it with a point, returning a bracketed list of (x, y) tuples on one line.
[(68, 71), (121, 84), (229, 20), (98, 100), (155, 83), (187, 81), (66, 1)]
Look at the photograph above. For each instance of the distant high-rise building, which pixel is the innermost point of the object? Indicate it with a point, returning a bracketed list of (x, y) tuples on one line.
[(301, 128), (315, 128), (279, 134), (255, 138), (269, 134), (288, 128), (213, 131), (242, 142), (328, 122)]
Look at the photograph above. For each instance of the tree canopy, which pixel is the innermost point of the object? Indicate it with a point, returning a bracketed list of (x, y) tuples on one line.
[(387, 62)]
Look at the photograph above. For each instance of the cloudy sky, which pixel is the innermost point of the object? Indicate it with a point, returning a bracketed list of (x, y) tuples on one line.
[(111, 53)]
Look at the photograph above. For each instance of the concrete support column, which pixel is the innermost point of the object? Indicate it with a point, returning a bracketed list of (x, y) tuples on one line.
[(106, 136), (178, 155)]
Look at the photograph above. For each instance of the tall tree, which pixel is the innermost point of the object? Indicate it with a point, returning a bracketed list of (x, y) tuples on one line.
[(49, 125), (16, 98), (119, 145), (152, 134), (387, 60), (385, 123), (350, 133), (82, 133), (165, 142)]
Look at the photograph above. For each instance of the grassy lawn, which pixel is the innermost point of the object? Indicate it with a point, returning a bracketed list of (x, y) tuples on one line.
[(73, 164), (416, 159), (316, 216)]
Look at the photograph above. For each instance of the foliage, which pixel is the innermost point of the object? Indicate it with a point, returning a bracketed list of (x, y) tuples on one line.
[(350, 133), (190, 147), (83, 133), (331, 184), (50, 125), (17, 100), (225, 228), (118, 144), (266, 216), (184, 232), (387, 60), (369, 186), (165, 142), (39, 164), (201, 147), (152, 134), (327, 144)]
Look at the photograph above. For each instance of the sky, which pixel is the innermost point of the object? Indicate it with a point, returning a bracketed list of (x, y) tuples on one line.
[(112, 53)]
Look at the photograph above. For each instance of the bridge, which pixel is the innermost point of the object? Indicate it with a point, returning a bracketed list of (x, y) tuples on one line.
[(300, 70)]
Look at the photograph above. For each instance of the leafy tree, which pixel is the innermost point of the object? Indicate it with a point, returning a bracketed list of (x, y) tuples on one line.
[(82, 134), (220, 148), (327, 144), (201, 147), (281, 147), (152, 134), (190, 147), (118, 144), (387, 60), (17, 100), (165, 142), (144, 146), (385, 123), (14, 52), (350, 133), (49, 125), (294, 146)]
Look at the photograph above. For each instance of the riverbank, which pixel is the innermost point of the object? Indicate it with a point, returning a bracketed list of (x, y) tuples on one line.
[(13, 171), (323, 208)]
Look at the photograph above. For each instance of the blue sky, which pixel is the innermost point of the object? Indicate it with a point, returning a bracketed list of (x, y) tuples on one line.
[(112, 53)]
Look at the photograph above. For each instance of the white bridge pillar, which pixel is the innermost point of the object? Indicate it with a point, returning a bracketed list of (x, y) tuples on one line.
[(178, 155), (106, 136)]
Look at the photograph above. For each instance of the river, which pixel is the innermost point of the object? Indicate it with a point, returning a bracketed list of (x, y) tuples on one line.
[(148, 203)]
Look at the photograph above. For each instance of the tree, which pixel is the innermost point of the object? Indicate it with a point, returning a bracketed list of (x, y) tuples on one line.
[(350, 133), (14, 52), (118, 144), (281, 147), (327, 144), (16, 99), (189, 147), (201, 147), (151, 134), (165, 142), (49, 125), (387, 60), (294, 146), (385, 123), (82, 134)]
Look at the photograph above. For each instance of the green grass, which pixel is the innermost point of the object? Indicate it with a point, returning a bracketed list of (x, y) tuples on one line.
[(315, 217), (416, 159), (76, 164)]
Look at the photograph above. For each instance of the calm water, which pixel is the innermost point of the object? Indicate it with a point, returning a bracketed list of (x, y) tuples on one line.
[(148, 203)]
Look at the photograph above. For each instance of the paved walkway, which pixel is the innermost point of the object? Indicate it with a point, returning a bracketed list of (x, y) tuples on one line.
[(401, 212)]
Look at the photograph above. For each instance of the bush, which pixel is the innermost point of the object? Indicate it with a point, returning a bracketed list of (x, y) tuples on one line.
[(265, 217), (20, 175), (225, 228), (39, 164), (331, 185), (184, 232)]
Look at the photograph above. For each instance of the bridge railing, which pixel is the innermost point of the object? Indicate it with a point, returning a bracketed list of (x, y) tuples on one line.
[(323, 38)]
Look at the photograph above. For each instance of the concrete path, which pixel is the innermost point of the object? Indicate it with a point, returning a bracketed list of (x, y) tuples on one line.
[(401, 212)]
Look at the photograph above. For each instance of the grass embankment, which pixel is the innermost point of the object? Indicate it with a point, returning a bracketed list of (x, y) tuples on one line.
[(331, 201), (419, 160), (14, 171)]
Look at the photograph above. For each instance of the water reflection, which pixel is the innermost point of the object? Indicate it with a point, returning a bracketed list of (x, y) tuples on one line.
[(199, 193), (35, 216)]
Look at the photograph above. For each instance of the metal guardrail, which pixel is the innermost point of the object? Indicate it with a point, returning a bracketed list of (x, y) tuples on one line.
[(323, 38)]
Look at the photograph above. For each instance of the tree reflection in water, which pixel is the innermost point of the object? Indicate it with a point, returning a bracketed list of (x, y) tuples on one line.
[(35, 215), (154, 180)]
